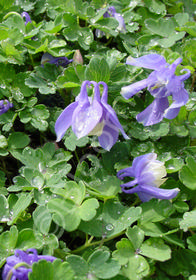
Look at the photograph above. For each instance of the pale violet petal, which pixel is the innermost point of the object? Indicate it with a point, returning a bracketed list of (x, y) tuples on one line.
[(185, 76), (154, 113), (85, 118), (171, 113), (64, 121), (111, 117), (129, 91), (151, 61), (109, 136), (159, 193), (139, 163), (180, 99), (126, 172)]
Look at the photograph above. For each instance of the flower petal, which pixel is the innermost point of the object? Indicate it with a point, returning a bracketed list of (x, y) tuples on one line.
[(180, 99), (185, 76), (109, 136), (129, 91), (126, 172), (151, 61), (159, 193), (64, 121), (86, 117), (140, 162), (111, 117), (121, 22), (171, 113), (154, 113)]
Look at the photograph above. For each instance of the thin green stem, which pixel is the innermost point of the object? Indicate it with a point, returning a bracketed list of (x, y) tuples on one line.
[(193, 82), (11, 13), (77, 157), (9, 276), (96, 243)]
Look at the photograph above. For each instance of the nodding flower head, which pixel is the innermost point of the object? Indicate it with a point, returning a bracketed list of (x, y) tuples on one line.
[(19, 265), (5, 105), (58, 61), (161, 83), (26, 16), (91, 116), (111, 12), (148, 174)]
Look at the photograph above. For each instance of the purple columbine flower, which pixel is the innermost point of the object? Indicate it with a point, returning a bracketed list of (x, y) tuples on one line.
[(148, 174), (26, 16), (161, 83), (19, 265), (91, 116), (58, 61), (111, 12), (5, 105)]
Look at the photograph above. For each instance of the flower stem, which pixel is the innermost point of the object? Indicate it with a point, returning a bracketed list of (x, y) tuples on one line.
[(99, 242), (9, 276)]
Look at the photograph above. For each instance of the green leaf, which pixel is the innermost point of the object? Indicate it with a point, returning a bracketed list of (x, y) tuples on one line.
[(78, 264), (189, 220), (42, 219), (21, 204), (85, 38), (155, 249), (102, 265), (27, 239), (71, 141), (65, 213), (42, 270), (108, 25), (192, 243), (111, 220), (8, 241), (187, 174), (87, 210), (4, 213), (174, 165), (98, 70), (61, 269), (136, 268), (155, 211), (5, 4), (124, 250), (55, 270), (136, 236), (18, 140), (162, 27), (156, 6)]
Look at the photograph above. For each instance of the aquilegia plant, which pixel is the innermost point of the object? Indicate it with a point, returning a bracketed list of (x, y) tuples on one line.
[(5, 105), (161, 83), (91, 116), (148, 174), (19, 265)]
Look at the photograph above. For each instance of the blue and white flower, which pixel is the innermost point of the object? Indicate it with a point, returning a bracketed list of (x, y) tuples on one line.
[(91, 116), (161, 83), (148, 173)]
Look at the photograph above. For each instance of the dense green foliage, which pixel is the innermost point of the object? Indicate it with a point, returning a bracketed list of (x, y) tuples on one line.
[(64, 198)]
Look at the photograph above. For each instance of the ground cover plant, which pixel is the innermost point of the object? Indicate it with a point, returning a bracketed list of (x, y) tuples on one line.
[(97, 139)]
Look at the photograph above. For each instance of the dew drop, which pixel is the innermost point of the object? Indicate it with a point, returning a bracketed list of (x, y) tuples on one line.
[(109, 227)]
